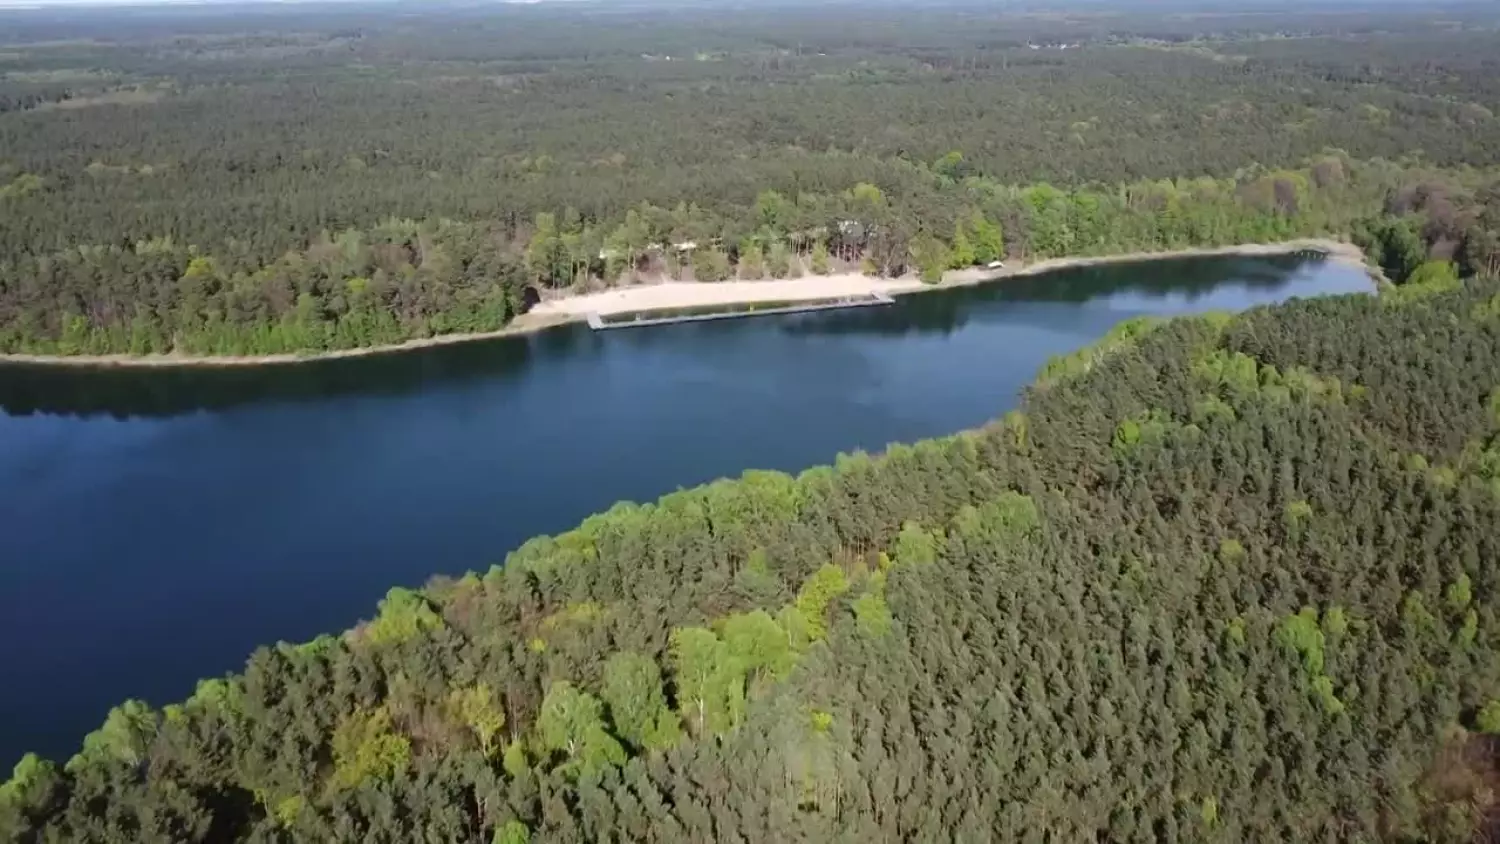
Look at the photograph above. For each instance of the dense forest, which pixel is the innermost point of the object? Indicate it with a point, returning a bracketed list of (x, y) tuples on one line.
[(1226, 578), (297, 180)]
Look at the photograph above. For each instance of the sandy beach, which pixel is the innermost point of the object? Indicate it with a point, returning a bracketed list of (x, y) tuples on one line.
[(688, 294), (679, 294)]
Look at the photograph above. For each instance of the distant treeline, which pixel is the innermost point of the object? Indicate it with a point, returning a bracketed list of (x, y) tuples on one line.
[(403, 279), (305, 180)]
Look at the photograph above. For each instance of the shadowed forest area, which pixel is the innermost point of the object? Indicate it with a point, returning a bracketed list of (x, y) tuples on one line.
[(304, 179)]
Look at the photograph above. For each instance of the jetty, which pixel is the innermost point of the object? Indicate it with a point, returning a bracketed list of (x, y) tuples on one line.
[(705, 313)]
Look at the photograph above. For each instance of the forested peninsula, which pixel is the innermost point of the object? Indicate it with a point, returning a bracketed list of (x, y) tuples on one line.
[(1220, 579)]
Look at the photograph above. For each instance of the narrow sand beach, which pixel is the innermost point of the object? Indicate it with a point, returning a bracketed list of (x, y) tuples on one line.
[(690, 294), (680, 294)]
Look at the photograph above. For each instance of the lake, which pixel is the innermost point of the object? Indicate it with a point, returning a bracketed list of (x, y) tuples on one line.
[(157, 525)]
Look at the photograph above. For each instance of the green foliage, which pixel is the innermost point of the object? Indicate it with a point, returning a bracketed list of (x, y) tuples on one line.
[(1415, 618), (1149, 428), (576, 615), (1013, 514), (404, 615), (1234, 631), (219, 696), (1397, 247), (932, 258), (1459, 593), (772, 211), (287, 810), (821, 721), (1233, 373), (989, 243), (752, 263), (866, 196), (711, 265), (1212, 409), (779, 261), (871, 612), (478, 709), (1296, 514), (366, 747), (1335, 623), (915, 546), (758, 644), (961, 252), (1231, 552), (799, 630), (30, 786), (950, 166), (1322, 688), (1209, 811), (1001, 522), (1438, 275), (571, 722), (21, 186), (124, 738), (1429, 279), (820, 259), (637, 708), (710, 682), (512, 832), (1301, 634), (1488, 719), (826, 584), (1122, 337), (1468, 632), (1015, 424), (1488, 310), (514, 760)]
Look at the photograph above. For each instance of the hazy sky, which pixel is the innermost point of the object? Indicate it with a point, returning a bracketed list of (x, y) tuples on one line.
[(53, 4)]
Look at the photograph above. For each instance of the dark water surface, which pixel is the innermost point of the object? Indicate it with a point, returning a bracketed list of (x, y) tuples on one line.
[(156, 526)]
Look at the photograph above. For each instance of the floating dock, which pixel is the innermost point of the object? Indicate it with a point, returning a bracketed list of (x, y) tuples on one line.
[(669, 316)]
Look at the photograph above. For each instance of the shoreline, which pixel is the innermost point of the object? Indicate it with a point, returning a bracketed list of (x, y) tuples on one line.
[(676, 294)]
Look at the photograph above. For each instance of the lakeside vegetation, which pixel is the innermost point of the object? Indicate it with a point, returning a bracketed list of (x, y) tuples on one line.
[(1227, 578), (273, 194)]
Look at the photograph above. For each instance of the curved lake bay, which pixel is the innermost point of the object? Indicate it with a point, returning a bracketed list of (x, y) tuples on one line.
[(157, 525)]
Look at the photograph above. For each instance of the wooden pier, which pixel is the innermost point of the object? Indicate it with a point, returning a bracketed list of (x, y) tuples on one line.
[(642, 319)]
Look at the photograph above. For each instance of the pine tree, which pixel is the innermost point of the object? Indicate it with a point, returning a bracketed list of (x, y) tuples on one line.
[(962, 251), (989, 243), (820, 265)]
